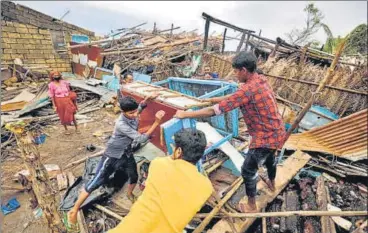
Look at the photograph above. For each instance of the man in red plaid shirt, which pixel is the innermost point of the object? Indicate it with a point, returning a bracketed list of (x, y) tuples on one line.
[(257, 102)]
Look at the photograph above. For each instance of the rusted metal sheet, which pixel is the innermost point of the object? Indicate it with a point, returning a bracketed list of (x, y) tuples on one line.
[(346, 138), (94, 58)]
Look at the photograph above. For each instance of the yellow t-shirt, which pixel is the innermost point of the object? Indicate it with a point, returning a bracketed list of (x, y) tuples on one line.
[(175, 191)]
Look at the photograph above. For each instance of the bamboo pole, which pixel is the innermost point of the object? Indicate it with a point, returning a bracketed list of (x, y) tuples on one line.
[(316, 84), (217, 208), (322, 84), (41, 185), (264, 223), (107, 211), (72, 164), (287, 214)]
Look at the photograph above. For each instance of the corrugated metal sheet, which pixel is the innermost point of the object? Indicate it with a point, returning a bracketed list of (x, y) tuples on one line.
[(106, 94), (346, 138)]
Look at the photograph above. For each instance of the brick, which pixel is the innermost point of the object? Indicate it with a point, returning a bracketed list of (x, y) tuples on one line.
[(22, 51), (34, 41), (5, 34), (38, 36), (14, 35), (34, 51), (23, 20), (9, 29), (9, 23), (26, 36), (22, 30), (46, 42), (51, 56), (29, 26), (47, 51), (8, 51), (17, 46), (50, 61), (42, 31), (34, 55), (6, 62), (29, 46), (9, 14), (9, 40), (33, 31), (40, 61), (22, 41), (5, 46), (28, 61), (14, 56)]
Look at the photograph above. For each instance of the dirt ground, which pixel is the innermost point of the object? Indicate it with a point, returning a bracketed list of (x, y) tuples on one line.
[(58, 149)]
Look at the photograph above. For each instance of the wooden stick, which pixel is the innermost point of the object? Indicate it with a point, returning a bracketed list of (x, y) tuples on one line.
[(217, 208), (288, 214), (72, 164), (109, 212), (321, 85), (264, 224), (316, 84), (215, 166)]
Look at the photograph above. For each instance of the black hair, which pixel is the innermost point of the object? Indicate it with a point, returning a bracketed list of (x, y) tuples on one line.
[(192, 142), (128, 103), (245, 60), (126, 75)]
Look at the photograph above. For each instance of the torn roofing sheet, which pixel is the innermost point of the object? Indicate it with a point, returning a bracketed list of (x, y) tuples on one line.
[(106, 94), (41, 100), (345, 138)]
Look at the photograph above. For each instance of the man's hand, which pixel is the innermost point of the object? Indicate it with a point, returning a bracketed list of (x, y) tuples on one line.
[(180, 114), (55, 108), (159, 115), (207, 100), (154, 95)]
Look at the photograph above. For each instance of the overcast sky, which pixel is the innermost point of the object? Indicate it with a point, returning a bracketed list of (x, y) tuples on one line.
[(274, 18)]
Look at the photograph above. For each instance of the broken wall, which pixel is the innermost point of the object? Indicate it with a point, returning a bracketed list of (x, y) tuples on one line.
[(37, 39)]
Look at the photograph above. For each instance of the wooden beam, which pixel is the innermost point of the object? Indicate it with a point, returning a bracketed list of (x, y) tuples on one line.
[(309, 213), (316, 84), (225, 24), (321, 197), (41, 184), (241, 42), (107, 211), (206, 31), (223, 41), (285, 174), (247, 42), (217, 208)]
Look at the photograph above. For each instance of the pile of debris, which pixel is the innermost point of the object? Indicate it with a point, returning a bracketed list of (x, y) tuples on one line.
[(155, 53)]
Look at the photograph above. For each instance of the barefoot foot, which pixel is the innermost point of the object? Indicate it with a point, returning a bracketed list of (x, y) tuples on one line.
[(245, 208)]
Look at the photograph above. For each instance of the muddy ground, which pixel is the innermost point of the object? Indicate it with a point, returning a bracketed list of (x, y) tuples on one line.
[(58, 149)]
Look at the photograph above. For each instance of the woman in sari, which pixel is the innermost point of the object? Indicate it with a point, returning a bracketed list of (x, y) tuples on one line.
[(64, 100)]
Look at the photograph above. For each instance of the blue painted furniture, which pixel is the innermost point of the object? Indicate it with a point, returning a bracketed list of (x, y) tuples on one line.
[(228, 122)]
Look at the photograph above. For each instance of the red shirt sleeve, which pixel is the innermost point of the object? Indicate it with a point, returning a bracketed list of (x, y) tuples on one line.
[(240, 97)]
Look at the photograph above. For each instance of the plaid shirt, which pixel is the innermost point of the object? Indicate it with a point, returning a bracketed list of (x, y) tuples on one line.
[(258, 105)]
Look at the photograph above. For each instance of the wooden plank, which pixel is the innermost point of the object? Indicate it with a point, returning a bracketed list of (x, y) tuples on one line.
[(322, 201), (339, 220), (62, 181), (285, 173), (241, 43), (206, 30)]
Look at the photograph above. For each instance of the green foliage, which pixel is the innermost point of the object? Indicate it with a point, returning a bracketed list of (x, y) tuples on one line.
[(357, 41), (314, 22)]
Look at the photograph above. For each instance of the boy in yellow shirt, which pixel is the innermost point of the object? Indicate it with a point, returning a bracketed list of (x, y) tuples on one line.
[(175, 191)]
